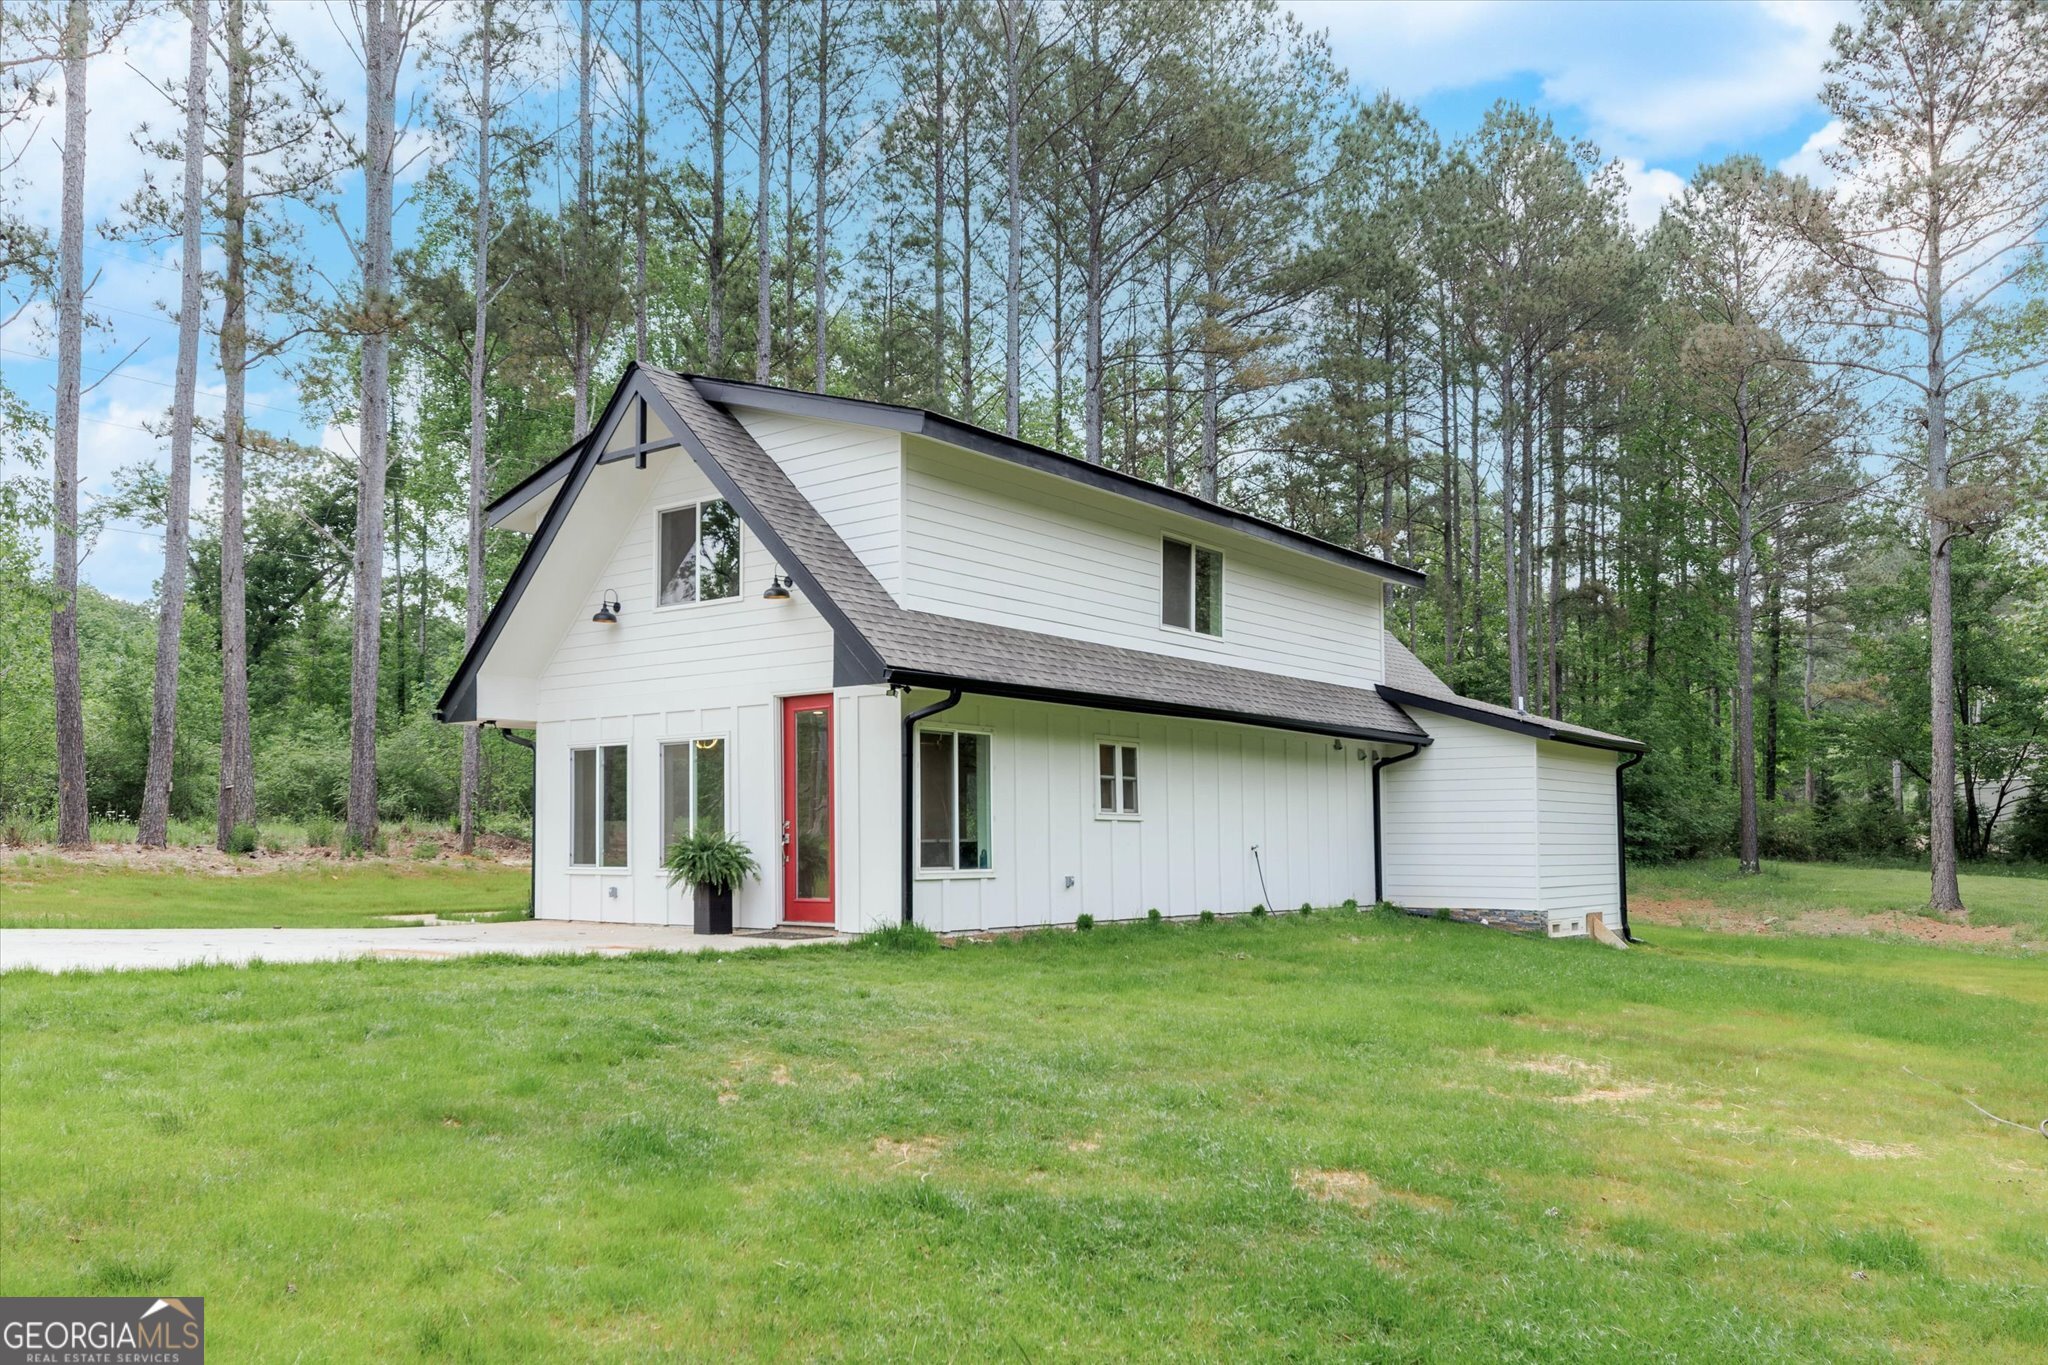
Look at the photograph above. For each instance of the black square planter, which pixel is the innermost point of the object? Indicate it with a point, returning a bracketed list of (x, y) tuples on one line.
[(714, 910)]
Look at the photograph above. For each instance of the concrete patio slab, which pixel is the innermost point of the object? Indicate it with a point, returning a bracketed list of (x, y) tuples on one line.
[(61, 950)]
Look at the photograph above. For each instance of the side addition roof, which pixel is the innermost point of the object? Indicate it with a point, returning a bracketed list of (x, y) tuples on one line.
[(1412, 686)]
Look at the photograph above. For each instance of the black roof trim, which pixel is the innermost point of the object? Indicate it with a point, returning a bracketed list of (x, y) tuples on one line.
[(1533, 726), (530, 487), (855, 660), (937, 426), (899, 677)]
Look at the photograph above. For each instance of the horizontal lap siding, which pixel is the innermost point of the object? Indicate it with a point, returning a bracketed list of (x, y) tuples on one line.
[(853, 475), (1208, 792), (1579, 872), (654, 675), (991, 542), (1461, 821)]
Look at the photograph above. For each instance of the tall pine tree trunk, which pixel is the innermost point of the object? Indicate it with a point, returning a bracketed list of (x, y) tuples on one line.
[(639, 182), (237, 799), (1013, 190), (715, 134), (378, 318), (586, 208), (153, 827), (820, 246), (74, 825), (1946, 893), (479, 477), (764, 156)]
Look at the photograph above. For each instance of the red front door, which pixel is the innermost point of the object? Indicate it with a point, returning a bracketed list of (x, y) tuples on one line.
[(807, 809)]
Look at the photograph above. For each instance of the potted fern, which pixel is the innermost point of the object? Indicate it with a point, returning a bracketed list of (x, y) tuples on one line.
[(713, 864)]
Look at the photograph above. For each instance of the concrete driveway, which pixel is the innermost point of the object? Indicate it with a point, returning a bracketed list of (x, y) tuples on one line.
[(59, 950)]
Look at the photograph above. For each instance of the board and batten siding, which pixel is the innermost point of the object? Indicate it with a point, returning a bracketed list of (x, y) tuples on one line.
[(852, 474), (1207, 793), (989, 541), (1460, 821), (1579, 873), (663, 674)]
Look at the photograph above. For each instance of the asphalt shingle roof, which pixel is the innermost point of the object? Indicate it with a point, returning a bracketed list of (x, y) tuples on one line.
[(927, 648), (1406, 673)]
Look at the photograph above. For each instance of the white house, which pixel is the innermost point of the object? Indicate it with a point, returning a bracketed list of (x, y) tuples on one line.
[(928, 672)]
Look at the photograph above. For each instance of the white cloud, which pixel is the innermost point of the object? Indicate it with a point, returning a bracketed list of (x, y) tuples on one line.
[(1807, 161), (1650, 188), (1651, 80)]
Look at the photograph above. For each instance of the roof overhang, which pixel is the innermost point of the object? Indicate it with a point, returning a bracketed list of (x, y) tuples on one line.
[(986, 687), (938, 427), (1535, 727)]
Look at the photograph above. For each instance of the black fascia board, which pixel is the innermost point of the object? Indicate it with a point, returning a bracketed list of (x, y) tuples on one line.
[(530, 487), (1533, 727), (1059, 696), (939, 427)]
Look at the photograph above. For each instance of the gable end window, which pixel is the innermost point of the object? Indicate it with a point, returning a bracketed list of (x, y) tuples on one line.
[(1116, 779), (597, 806), (697, 553), (952, 801), (1190, 587)]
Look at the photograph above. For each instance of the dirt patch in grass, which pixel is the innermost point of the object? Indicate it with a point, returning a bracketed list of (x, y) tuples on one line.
[(917, 1151), (1722, 919), (1360, 1191)]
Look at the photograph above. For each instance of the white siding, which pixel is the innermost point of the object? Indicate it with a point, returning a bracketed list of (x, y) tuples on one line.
[(1579, 874), (713, 668), (989, 541), (1208, 792), (1461, 821), (853, 475)]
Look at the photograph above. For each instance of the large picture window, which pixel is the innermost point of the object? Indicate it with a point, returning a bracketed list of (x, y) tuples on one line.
[(953, 826), (697, 554), (692, 789), (597, 780), (1190, 587)]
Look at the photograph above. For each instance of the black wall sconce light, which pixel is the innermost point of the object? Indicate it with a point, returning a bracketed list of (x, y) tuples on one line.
[(778, 589), (607, 612)]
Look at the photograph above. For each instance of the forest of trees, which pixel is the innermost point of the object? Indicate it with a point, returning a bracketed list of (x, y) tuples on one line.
[(1762, 485)]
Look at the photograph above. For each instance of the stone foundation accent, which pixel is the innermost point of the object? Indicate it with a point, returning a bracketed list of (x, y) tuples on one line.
[(1521, 921)]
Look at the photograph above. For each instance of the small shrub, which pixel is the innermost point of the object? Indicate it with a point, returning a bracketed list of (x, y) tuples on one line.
[(1307, 909), (1386, 909), (1350, 905), (1208, 917), (1258, 912), (1441, 913), (242, 839), (1153, 916), (899, 938), (273, 844), (1084, 922), (319, 832), (426, 850)]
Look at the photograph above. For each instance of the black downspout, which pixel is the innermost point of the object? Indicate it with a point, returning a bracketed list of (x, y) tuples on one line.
[(909, 836), (1379, 891), (532, 825), (1621, 845)]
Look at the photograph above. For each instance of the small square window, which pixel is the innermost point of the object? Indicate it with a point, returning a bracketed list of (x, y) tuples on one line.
[(698, 554)]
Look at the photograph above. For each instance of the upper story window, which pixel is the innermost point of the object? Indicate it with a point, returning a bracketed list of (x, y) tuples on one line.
[(1190, 587), (697, 551)]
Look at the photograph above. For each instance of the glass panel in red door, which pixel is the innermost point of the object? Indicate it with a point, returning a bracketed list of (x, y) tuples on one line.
[(807, 809)]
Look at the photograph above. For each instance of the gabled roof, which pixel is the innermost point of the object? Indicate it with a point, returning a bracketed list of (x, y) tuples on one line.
[(1411, 685), (880, 641), (730, 393)]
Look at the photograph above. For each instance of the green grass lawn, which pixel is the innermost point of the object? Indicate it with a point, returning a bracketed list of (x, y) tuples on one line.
[(48, 893), (1993, 897), (1335, 1136)]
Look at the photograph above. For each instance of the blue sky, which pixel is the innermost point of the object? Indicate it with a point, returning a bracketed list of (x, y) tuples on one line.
[(1661, 87)]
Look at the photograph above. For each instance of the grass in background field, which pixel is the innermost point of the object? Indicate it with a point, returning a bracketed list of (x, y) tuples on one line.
[(43, 892), (2018, 897), (1304, 1136)]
